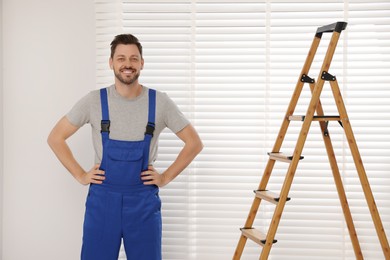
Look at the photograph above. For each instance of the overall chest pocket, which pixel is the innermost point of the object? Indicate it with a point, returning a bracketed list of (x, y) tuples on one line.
[(120, 154), (124, 166)]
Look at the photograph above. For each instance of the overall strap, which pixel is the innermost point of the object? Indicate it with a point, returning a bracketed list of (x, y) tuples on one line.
[(149, 127), (105, 123)]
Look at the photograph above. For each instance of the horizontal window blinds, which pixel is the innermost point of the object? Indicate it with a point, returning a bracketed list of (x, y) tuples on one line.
[(230, 114), (231, 67)]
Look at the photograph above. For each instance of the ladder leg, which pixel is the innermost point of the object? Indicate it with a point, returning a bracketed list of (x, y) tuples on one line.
[(291, 171), (338, 182), (299, 146), (290, 174), (240, 247), (360, 169), (277, 216), (277, 145), (283, 196), (253, 211), (296, 94)]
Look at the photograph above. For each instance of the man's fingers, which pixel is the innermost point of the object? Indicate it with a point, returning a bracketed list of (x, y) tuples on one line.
[(146, 173), (98, 177), (147, 178), (151, 177), (96, 181), (99, 172)]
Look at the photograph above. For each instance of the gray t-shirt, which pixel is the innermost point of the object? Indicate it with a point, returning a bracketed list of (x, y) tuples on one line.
[(128, 117)]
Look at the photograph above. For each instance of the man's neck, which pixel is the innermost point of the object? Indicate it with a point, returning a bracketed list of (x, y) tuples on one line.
[(128, 91)]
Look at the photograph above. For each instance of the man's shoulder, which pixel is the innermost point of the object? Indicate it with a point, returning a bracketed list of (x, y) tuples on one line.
[(162, 97), (93, 96)]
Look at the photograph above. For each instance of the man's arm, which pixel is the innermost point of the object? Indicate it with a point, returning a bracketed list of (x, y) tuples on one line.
[(57, 142), (192, 147)]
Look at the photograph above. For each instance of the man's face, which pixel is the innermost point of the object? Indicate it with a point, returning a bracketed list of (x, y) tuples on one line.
[(127, 63)]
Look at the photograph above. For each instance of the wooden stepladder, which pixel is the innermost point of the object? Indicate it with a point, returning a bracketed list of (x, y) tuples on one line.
[(315, 107)]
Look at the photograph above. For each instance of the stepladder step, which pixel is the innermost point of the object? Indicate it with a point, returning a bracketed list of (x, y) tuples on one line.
[(269, 196), (256, 236), (282, 157), (315, 118)]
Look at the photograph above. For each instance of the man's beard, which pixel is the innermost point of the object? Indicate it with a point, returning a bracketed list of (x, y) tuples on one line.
[(126, 81)]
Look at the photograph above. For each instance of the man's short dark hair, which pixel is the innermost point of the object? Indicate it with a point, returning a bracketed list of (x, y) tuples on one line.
[(125, 39)]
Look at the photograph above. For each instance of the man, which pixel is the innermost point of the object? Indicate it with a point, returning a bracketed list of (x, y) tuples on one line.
[(126, 120)]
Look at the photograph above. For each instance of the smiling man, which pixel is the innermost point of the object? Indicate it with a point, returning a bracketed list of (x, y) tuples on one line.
[(126, 120)]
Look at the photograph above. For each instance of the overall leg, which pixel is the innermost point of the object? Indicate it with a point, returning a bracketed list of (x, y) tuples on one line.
[(102, 225), (142, 225)]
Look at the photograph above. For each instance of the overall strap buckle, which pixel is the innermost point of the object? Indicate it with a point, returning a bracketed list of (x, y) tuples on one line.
[(105, 126), (150, 129)]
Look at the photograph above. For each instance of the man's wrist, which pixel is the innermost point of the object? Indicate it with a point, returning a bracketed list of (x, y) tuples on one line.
[(164, 179), (80, 177)]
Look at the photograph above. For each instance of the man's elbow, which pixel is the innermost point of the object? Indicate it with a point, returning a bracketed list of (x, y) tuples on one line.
[(55, 140), (191, 139), (198, 146), (51, 140)]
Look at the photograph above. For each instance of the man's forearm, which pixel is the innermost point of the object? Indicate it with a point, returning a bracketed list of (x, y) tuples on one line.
[(57, 142), (191, 149), (65, 156)]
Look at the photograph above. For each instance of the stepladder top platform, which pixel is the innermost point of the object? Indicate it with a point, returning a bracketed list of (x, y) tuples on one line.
[(334, 27)]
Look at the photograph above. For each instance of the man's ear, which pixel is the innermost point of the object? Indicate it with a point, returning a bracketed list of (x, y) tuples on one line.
[(110, 62)]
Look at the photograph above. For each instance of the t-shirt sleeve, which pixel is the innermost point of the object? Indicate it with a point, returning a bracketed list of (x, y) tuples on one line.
[(80, 114), (174, 119)]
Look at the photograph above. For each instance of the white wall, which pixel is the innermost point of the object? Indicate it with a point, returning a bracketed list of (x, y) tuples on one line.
[(49, 63), (1, 127)]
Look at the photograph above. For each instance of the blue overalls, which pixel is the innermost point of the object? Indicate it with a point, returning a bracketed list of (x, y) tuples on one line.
[(122, 206)]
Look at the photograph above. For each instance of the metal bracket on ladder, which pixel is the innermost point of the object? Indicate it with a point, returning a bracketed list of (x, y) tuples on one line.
[(326, 131), (306, 79), (327, 76)]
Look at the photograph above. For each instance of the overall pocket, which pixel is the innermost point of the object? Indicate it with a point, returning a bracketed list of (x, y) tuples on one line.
[(124, 166)]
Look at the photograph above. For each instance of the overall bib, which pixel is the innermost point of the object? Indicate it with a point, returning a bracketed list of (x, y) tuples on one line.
[(122, 206)]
